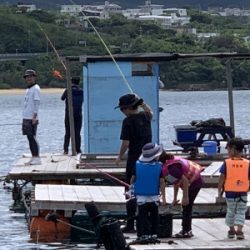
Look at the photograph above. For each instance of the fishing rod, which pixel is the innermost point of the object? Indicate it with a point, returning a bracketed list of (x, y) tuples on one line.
[(52, 45), (107, 49), (55, 218), (11, 124), (108, 175)]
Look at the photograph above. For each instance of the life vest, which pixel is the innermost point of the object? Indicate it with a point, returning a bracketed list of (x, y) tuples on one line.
[(147, 178), (237, 175), (190, 170)]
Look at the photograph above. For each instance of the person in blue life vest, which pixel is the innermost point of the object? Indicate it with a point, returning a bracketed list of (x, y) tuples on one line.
[(135, 133), (77, 101), (184, 174), (234, 181), (149, 186), (30, 115)]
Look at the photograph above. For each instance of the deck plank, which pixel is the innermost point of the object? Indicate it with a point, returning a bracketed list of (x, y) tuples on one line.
[(212, 168), (107, 195), (64, 167), (208, 234)]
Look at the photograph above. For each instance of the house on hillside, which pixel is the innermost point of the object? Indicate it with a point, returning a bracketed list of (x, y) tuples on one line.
[(23, 8), (154, 12), (235, 12), (72, 9), (88, 11), (148, 8)]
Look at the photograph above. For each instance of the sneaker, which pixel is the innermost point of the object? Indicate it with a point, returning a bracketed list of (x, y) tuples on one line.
[(230, 234), (184, 234), (65, 152), (35, 161), (28, 162), (154, 236), (240, 235)]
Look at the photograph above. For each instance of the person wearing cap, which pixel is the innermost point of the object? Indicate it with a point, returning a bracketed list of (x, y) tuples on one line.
[(77, 101), (135, 133), (149, 185), (30, 114)]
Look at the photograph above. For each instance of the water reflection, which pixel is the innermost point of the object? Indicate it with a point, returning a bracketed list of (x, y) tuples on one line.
[(179, 108)]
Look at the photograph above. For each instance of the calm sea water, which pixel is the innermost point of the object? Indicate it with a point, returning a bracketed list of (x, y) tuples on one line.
[(180, 108)]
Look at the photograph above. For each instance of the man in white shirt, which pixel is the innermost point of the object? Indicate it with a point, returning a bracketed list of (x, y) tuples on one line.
[(30, 114)]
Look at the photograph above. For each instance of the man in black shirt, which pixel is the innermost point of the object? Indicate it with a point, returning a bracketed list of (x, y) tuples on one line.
[(77, 100), (135, 133)]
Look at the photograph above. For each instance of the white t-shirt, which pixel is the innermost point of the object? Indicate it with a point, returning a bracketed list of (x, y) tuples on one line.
[(32, 95)]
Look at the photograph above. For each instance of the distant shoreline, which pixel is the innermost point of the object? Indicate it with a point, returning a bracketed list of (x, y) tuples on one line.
[(22, 91)]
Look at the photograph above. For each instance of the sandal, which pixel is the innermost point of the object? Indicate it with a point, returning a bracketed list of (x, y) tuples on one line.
[(231, 234), (240, 235), (184, 234)]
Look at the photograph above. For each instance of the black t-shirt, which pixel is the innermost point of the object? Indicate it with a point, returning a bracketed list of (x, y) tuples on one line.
[(77, 101), (137, 130)]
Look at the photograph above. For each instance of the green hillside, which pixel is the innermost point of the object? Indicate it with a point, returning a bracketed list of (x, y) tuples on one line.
[(134, 3), (23, 33)]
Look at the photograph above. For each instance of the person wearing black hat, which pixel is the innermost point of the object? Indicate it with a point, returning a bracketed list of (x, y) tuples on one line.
[(135, 133), (30, 115), (77, 101)]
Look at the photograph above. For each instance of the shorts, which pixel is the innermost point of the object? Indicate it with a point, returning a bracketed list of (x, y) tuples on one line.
[(28, 128)]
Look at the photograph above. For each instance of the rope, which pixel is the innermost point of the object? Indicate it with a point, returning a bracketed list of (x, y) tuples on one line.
[(79, 228)]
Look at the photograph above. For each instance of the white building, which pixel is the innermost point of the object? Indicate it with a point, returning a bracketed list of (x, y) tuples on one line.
[(207, 35), (71, 9), (234, 12), (167, 20), (99, 11), (154, 12), (149, 7), (26, 7)]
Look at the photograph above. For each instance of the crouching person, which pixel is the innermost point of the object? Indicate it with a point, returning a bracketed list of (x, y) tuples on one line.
[(148, 184), (184, 174)]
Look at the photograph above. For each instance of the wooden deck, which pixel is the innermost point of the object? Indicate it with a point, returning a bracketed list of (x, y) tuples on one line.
[(208, 234), (211, 173), (64, 167), (111, 198)]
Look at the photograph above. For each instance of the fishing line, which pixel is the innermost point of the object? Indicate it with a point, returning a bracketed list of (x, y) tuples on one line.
[(52, 45), (108, 50), (106, 174), (11, 124)]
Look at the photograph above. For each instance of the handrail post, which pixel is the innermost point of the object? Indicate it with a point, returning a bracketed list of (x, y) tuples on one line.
[(230, 94)]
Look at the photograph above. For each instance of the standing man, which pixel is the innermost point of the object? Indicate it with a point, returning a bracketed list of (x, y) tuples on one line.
[(77, 101), (135, 133), (30, 114)]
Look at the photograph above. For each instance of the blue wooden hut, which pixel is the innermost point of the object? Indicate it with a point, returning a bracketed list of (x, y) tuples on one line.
[(103, 85)]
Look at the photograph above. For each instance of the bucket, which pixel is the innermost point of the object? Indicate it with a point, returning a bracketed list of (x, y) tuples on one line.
[(210, 147), (165, 226)]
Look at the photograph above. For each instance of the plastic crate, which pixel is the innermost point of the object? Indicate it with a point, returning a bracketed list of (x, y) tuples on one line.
[(185, 133)]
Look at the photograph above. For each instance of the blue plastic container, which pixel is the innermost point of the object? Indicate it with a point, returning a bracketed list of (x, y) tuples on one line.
[(185, 133), (210, 147)]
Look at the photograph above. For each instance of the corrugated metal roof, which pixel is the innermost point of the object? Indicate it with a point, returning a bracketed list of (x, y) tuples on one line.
[(158, 57)]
